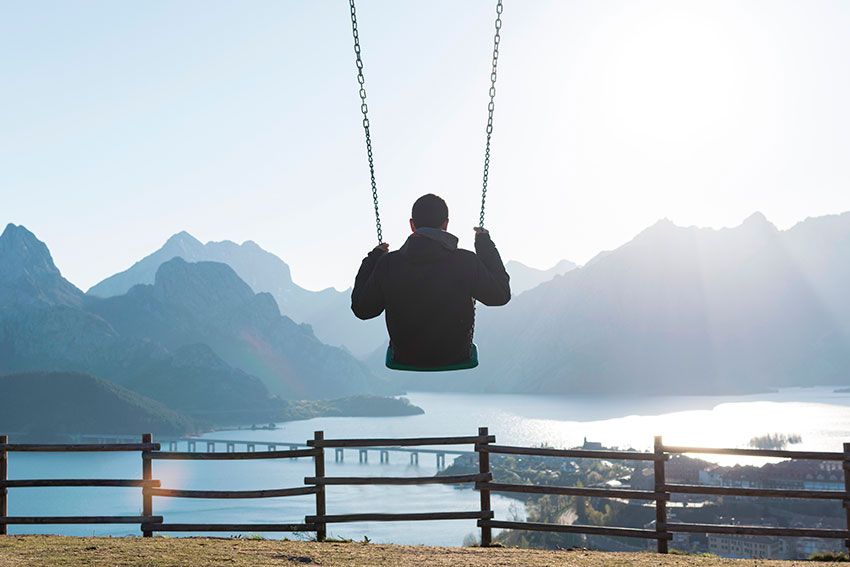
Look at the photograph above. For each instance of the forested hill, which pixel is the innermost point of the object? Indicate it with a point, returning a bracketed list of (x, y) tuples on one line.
[(47, 405)]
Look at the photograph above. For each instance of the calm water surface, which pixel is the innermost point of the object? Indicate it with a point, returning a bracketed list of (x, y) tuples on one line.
[(819, 415)]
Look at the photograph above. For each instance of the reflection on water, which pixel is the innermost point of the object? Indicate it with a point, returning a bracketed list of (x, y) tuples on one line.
[(820, 416)]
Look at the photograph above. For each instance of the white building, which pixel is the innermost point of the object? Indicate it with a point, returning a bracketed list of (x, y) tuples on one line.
[(747, 547)]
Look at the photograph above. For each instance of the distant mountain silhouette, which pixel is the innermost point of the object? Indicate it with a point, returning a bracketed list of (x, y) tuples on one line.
[(525, 277), (327, 311), (679, 310), (674, 311), (169, 341)]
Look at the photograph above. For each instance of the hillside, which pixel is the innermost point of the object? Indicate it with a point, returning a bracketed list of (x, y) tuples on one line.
[(353, 406), (50, 404), (207, 302), (41, 551), (195, 381)]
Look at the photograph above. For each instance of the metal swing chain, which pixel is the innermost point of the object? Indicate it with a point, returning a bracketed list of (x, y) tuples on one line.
[(364, 108), (490, 107)]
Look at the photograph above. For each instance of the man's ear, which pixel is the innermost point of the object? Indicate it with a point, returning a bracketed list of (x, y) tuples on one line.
[(446, 225), (412, 226)]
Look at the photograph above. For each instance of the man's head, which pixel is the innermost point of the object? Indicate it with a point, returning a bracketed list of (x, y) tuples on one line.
[(429, 211)]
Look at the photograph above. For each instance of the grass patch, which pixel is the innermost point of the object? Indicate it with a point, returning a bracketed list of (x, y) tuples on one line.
[(830, 557)]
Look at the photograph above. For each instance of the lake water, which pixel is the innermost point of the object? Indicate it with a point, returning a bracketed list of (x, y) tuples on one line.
[(820, 416)]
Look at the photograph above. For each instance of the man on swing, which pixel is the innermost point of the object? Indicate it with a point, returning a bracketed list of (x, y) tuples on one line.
[(428, 288)]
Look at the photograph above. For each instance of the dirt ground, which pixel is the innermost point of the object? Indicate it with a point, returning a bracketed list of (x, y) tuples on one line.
[(37, 551)]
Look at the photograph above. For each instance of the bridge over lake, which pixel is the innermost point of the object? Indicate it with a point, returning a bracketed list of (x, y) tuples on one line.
[(211, 445)]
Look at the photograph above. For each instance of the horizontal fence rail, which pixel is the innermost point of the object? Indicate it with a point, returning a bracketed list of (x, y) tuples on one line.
[(482, 481), (397, 480), (774, 453), (11, 520), (88, 448), (77, 482), (755, 492), (571, 453), (620, 493), (272, 493), (400, 517), (756, 530), (293, 528), (236, 456), (402, 442), (576, 529)]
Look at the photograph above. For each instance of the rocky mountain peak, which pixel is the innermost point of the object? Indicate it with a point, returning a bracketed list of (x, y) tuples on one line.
[(758, 221), (21, 252), (183, 244), (28, 275)]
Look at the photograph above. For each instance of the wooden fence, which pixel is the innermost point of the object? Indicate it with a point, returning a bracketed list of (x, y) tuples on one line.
[(484, 445)]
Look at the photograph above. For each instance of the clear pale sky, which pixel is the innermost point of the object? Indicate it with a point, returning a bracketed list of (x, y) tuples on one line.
[(122, 123)]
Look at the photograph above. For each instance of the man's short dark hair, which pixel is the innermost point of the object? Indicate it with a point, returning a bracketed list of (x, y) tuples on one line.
[(430, 211)]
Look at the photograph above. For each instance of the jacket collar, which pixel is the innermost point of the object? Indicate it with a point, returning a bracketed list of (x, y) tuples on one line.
[(446, 239)]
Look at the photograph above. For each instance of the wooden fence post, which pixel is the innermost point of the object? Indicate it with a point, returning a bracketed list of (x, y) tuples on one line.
[(4, 471), (846, 468), (484, 468), (319, 460), (660, 496), (147, 474)]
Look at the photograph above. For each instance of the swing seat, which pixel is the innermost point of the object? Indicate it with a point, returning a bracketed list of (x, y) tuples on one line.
[(471, 362)]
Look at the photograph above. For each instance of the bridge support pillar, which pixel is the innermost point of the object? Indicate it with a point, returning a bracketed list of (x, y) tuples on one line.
[(414, 458), (385, 457), (250, 447), (172, 445), (339, 455), (293, 447), (441, 461), (190, 446), (230, 447), (364, 456), (210, 447), (272, 447)]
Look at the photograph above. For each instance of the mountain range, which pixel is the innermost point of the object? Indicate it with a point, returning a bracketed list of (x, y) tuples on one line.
[(197, 339), (676, 310), (326, 311), (679, 310)]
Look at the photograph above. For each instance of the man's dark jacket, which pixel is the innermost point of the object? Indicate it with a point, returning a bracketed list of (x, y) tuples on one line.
[(427, 288)]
